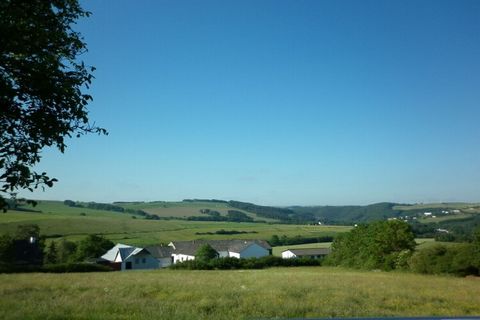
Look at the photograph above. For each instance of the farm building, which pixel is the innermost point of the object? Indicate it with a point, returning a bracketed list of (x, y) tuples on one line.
[(163, 255), (185, 250), (314, 253), (125, 257)]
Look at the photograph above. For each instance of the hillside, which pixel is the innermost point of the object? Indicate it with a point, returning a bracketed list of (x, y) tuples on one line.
[(386, 210), (161, 221), (350, 214), (57, 220)]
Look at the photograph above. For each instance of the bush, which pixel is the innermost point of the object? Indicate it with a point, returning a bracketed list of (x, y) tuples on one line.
[(226, 263), (379, 245), (459, 260), (75, 267), (229, 263), (55, 268)]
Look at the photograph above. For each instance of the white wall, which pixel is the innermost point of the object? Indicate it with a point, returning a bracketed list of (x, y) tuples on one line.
[(288, 254), (222, 254), (182, 257)]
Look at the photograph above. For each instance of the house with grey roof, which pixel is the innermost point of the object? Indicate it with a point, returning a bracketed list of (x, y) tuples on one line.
[(314, 253), (186, 250), (125, 257), (163, 254)]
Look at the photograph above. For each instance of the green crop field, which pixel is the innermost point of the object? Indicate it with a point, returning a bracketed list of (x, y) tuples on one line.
[(277, 251), (57, 220), (239, 294)]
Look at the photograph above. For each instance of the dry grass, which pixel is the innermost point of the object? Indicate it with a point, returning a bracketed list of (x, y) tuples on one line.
[(283, 292)]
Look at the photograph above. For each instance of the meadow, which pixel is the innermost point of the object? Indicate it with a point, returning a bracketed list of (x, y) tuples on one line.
[(277, 251), (57, 220), (184, 209), (464, 206), (238, 294)]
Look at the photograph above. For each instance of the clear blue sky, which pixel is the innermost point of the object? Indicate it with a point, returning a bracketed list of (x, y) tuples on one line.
[(279, 103)]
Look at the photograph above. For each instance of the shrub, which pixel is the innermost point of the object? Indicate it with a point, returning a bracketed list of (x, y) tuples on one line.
[(228, 263), (75, 267), (54, 268), (459, 260)]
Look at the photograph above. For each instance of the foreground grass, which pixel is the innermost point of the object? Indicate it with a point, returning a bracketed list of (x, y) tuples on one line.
[(240, 294)]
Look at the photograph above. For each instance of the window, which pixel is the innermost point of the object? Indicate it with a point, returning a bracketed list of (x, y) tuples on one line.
[(144, 260), (137, 261)]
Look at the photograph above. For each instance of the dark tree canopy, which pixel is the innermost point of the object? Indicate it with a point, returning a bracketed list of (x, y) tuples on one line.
[(206, 253), (379, 245), (41, 87), (93, 246)]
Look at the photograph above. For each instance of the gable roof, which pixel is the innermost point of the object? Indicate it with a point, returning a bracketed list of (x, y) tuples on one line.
[(160, 251), (309, 251), (191, 247), (111, 254), (126, 253)]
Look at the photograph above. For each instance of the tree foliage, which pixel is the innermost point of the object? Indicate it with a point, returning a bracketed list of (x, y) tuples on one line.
[(92, 247), (41, 84), (206, 253), (461, 259), (51, 254), (380, 245)]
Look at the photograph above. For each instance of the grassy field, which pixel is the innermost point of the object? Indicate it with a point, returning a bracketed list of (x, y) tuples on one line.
[(446, 218), (428, 242), (240, 294), (184, 209), (446, 205), (277, 251), (58, 220), (421, 243)]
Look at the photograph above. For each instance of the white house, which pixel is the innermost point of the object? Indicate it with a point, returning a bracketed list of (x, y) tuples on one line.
[(186, 250), (314, 253), (125, 257)]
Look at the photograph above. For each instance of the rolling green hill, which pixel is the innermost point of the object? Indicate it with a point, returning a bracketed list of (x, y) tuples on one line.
[(161, 221), (57, 220), (386, 210)]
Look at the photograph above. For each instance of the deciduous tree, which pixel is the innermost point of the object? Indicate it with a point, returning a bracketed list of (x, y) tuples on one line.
[(206, 253), (42, 87)]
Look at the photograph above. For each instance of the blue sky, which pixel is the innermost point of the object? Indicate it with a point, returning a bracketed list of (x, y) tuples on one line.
[(278, 103)]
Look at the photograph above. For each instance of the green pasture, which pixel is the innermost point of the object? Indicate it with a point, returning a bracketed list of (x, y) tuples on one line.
[(183, 209), (445, 218), (237, 294), (57, 220), (421, 244), (277, 251), (464, 206), (428, 242)]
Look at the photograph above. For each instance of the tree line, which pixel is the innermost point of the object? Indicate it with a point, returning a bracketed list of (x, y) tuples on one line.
[(26, 250)]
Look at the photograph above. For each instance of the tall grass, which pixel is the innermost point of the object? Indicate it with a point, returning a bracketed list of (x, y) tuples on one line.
[(242, 294)]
